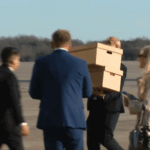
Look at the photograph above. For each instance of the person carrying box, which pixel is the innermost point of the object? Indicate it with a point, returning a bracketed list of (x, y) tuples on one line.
[(104, 112)]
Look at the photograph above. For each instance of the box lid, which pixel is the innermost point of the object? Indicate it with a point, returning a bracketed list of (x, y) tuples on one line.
[(95, 68), (97, 45)]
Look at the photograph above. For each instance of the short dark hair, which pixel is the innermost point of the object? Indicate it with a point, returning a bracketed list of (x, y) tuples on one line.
[(8, 54), (61, 37)]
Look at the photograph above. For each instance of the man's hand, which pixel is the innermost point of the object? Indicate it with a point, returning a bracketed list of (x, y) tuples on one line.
[(1, 146), (98, 92), (24, 130)]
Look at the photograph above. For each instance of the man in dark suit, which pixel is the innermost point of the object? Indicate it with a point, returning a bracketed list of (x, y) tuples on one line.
[(60, 81), (104, 113), (12, 124)]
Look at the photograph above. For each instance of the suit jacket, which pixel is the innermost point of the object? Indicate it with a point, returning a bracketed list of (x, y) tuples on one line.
[(60, 81), (10, 107), (112, 102)]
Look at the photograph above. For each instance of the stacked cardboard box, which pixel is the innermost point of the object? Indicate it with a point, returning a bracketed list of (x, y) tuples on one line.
[(104, 64)]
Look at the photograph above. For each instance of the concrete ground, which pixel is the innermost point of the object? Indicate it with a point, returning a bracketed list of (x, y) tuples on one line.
[(31, 108)]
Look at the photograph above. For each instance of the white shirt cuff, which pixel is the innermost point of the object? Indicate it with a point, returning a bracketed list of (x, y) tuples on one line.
[(23, 123)]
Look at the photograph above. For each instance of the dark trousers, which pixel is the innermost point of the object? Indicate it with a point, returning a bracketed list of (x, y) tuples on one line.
[(61, 138), (12, 139), (100, 128)]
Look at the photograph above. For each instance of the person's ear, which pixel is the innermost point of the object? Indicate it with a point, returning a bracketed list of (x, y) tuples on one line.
[(70, 46), (12, 62)]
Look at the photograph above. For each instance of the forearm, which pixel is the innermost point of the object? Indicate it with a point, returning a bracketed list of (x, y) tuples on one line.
[(16, 104), (18, 113), (14, 99)]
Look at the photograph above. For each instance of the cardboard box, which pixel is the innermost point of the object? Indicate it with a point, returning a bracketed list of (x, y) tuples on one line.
[(100, 54), (104, 80), (104, 64)]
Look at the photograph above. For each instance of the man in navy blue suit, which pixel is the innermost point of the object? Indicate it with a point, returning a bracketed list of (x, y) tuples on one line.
[(60, 81)]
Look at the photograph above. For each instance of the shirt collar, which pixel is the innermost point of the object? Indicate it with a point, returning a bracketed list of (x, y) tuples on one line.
[(11, 68), (60, 48)]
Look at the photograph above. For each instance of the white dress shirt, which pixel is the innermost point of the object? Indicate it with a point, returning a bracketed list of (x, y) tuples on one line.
[(23, 123), (60, 48), (11, 68)]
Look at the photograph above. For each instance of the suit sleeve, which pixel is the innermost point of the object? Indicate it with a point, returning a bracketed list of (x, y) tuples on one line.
[(87, 83), (89, 102), (35, 83), (124, 68), (15, 99), (113, 95)]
